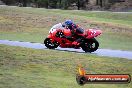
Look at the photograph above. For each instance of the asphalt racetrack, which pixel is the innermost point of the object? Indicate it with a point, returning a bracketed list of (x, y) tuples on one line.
[(99, 52)]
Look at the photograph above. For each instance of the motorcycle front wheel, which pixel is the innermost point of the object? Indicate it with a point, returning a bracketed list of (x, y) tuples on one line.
[(49, 44), (90, 45)]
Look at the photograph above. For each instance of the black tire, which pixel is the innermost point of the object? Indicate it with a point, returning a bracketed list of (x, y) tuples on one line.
[(90, 45), (49, 44)]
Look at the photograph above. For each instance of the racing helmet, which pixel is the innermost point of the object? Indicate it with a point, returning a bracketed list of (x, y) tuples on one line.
[(69, 24)]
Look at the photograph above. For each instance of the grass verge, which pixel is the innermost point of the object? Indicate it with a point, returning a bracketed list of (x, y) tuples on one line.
[(30, 68)]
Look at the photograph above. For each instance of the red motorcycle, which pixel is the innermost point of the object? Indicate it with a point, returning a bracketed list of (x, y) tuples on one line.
[(88, 42)]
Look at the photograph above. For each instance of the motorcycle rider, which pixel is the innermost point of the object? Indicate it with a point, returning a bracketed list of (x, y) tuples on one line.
[(69, 24), (75, 29)]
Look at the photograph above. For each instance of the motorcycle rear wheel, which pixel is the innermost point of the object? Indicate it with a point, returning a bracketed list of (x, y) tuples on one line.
[(90, 45), (49, 44)]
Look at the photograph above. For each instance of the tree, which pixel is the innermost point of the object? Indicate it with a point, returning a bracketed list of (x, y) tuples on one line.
[(40, 3), (53, 3), (24, 3), (99, 2), (9, 2), (78, 4), (60, 1), (64, 4)]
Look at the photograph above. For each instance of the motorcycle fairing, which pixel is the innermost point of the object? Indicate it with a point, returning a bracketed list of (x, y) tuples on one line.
[(91, 33)]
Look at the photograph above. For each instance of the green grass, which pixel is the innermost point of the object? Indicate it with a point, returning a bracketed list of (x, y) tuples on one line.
[(22, 37), (106, 17), (33, 24), (123, 19), (30, 68), (114, 40)]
